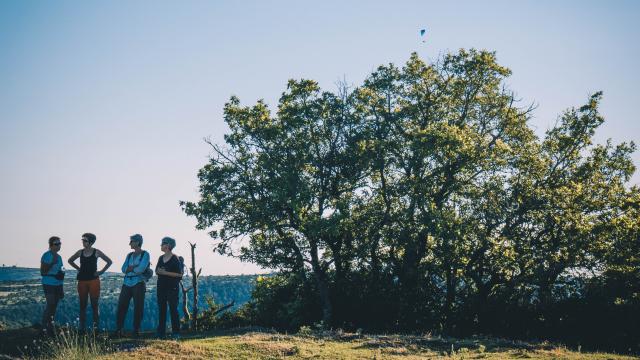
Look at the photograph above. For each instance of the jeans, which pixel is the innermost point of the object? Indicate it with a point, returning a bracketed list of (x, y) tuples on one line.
[(126, 293), (168, 296), (53, 294)]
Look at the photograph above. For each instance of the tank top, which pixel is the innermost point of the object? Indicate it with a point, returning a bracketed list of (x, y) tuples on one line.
[(88, 266)]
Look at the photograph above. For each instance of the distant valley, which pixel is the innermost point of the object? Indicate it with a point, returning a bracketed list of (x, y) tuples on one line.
[(22, 300)]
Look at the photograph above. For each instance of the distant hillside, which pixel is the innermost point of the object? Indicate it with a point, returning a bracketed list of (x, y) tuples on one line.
[(22, 300), (14, 273)]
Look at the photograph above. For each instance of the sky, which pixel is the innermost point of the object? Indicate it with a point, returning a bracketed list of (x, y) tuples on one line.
[(104, 105)]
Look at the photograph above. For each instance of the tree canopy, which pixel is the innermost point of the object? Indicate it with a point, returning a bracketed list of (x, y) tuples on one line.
[(422, 196)]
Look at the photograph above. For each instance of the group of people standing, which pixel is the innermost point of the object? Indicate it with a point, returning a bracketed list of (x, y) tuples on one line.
[(136, 270)]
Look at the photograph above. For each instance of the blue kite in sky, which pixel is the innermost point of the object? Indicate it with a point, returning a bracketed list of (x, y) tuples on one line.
[(422, 32)]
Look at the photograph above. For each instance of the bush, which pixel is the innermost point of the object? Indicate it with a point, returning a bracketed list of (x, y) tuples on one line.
[(212, 318), (284, 302)]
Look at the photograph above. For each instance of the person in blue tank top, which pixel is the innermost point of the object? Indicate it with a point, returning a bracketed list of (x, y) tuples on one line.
[(52, 279)]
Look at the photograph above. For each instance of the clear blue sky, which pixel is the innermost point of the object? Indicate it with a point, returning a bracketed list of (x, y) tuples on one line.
[(104, 104)]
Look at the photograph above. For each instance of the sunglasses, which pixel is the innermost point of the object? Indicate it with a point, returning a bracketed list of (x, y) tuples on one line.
[(56, 244)]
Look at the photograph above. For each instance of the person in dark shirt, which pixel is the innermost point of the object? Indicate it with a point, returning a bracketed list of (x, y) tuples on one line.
[(89, 277), (169, 271)]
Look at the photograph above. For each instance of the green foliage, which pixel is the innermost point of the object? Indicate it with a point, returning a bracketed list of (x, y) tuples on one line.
[(216, 317), (284, 302), (305, 331), (422, 200)]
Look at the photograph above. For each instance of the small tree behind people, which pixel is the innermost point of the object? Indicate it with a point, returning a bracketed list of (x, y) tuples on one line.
[(194, 285)]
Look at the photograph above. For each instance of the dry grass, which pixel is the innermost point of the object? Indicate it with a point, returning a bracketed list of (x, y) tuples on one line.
[(257, 345), (250, 344)]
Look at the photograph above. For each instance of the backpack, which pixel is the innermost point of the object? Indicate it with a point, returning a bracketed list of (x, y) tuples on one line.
[(181, 259), (147, 273)]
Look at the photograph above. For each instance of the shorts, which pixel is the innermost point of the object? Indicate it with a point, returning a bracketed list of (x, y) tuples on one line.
[(91, 287)]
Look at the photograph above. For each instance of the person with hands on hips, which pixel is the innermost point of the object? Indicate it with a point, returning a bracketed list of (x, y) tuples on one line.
[(89, 278)]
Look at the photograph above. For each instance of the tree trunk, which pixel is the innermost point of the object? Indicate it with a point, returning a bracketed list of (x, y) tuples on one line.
[(323, 287), (223, 308), (482, 301), (185, 303), (194, 285), (451, 280), (327, 309), (409, 283)]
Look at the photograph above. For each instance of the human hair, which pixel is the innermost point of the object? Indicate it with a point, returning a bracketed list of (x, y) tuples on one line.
[(53, 239), (137, 238), (169, 241), (90, 237)]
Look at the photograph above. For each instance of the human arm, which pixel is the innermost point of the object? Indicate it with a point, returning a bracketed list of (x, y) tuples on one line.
[(158, 267), (106, 259), (45, 264), (125, 266), (168, 273), (173, 269), (72, 260), (144, 262)]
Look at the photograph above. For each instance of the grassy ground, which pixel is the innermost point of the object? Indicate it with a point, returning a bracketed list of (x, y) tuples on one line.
[(260, 345), (246, 344)]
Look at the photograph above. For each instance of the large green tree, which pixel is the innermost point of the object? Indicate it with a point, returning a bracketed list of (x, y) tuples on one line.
[(283, 187), (439, 133), (555, 213), (424, 187)]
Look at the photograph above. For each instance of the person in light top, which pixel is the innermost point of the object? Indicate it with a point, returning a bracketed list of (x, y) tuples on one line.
[(134, 285)]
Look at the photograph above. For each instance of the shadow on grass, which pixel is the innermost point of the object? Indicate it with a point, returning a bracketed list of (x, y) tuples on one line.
[(30, 342), (195, 335), (14, 342)]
